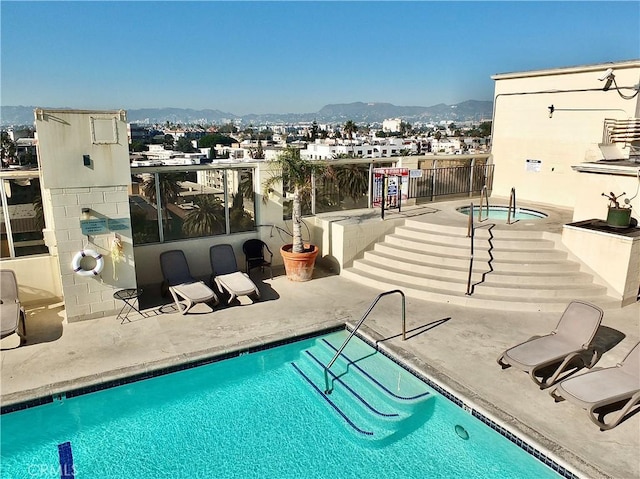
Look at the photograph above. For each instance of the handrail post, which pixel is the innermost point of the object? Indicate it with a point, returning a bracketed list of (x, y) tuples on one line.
[(470, 234), (512, 204), (485, 195), (328, 389)]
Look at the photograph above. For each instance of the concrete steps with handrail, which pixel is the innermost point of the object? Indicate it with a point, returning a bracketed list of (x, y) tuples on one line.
[(512, 270)]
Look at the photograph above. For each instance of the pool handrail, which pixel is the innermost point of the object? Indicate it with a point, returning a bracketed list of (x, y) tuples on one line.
[(483, 194), (512, 204), (470, 234), (328, 389)]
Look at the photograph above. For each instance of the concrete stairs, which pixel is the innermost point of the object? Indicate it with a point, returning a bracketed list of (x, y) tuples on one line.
[(513, 269)]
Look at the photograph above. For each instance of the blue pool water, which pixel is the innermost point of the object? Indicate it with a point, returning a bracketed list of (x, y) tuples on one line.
[(502, 213), (261, 415)]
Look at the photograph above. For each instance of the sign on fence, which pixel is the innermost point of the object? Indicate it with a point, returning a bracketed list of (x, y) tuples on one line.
[(393, 183)]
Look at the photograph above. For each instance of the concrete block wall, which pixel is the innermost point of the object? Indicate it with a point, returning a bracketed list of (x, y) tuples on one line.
[(88, 297)]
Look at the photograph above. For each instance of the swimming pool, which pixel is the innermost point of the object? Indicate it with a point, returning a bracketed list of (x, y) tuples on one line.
[(264, 415), (502, 212)]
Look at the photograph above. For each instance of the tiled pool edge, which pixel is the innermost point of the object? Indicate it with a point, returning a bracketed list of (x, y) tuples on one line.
[(88, 384), (527, 438)]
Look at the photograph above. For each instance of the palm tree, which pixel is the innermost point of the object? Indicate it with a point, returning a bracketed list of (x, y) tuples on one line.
[(8, 149), (239, 218), (169, 188), (169, 192), (353, 180), (207, 219), (289, 167), (350, 128), (245, 186)]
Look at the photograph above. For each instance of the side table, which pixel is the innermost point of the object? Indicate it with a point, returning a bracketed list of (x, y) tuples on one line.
[(130, 297)]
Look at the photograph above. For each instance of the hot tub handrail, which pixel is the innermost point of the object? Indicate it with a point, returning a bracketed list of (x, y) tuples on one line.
[(328, 388), (512, 204), (483, 194), (470, 234)]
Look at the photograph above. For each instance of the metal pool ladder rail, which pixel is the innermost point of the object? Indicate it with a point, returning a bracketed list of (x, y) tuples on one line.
[(328, 389)]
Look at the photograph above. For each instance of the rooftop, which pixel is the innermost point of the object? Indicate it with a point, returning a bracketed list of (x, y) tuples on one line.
[(455, 346)]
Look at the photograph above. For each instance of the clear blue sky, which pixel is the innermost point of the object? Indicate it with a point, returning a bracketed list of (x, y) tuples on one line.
[(281, 57)]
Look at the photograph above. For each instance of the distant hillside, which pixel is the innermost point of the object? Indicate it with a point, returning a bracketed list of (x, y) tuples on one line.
[(358, 112)]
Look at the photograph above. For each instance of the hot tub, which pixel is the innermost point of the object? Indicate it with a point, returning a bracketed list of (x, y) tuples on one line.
[(501, 213)]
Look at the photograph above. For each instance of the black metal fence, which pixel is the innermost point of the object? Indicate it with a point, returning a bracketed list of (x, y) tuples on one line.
[(451, 181)]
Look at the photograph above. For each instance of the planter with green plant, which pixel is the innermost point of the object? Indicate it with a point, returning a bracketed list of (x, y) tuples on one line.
[(290, 169), (618, 216)]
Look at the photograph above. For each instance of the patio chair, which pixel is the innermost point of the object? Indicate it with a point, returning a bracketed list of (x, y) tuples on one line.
[(185, 290), (254, 252), (226, 274), (569, 343), (603, 387), (12, 316)]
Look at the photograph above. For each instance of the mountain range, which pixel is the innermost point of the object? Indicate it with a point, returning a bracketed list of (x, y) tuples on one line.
[(359, 112)]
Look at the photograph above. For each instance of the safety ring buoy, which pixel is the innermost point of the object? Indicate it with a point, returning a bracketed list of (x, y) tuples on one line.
[(77, 268)]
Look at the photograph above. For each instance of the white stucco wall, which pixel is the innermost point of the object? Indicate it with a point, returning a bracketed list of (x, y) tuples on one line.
[(523, 130)]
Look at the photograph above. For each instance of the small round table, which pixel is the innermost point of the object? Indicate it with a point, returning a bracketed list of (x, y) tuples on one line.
[(130, 296)]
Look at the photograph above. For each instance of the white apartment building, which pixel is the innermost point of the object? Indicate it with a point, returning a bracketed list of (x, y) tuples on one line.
[(391, 125), (446, 145), (330, 149)]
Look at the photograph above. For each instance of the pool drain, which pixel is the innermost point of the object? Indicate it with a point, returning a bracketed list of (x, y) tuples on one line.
[(462, 432)]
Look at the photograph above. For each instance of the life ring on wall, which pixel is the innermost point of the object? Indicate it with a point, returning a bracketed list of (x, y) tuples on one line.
[(77, 259)]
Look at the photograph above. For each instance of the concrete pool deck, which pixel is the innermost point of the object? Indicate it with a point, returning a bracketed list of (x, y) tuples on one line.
[(456, 346)]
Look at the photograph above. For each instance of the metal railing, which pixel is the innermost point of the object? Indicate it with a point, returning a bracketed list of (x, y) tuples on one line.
[(450, 181), (328, 389), (512, 204), (470, 234), (485, 195)]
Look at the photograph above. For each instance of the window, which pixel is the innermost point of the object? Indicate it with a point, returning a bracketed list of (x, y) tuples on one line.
[(241, 200), (22, 218), (178, 205), (344, 187)]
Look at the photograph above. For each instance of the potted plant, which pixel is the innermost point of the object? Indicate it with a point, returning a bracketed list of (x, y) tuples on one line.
[(293, 170), (618, 216)]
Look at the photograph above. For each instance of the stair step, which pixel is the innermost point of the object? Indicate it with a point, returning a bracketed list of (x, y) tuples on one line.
[(557, 275), (477, 300), (360, 397), (498, 241), (511, 254), (461, 230), (546, 289), (532, 264)]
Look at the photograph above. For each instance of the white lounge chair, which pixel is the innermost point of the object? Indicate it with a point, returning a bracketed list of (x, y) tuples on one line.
[(226, 274), (185, 290)]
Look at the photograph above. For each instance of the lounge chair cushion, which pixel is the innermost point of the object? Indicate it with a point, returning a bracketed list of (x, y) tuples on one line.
[(237, 283), (197, 292), (537, 351), (596, 386)]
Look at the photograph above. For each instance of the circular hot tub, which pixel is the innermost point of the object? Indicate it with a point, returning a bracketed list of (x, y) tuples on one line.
[(502, 212)]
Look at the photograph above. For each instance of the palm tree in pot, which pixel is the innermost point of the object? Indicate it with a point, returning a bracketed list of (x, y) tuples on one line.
[(289, 168)]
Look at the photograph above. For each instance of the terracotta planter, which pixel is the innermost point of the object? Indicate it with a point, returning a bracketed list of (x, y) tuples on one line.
[(299, 266), (619, 217)]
